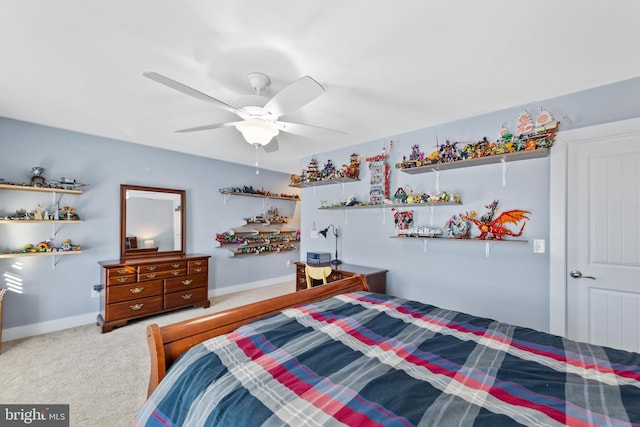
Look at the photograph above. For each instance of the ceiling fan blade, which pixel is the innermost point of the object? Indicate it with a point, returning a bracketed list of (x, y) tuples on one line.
[(271, 146), (304, 130), (294, 96), (207, 127), (188, 90)]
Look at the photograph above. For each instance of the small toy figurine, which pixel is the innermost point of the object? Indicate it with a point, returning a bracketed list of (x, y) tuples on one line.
[(328, 170), (494, 229), (68, 213), (402, 219), (37, 176)]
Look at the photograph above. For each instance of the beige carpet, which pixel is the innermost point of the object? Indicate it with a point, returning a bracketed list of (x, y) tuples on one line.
[(103, 377)]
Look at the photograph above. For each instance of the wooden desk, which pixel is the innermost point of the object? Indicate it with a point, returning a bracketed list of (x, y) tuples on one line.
[(376, 278)]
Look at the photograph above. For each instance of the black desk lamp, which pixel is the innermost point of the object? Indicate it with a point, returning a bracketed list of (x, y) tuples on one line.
[(324, 232)]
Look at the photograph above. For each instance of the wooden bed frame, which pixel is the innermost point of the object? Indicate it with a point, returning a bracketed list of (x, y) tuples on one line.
[(167, 343)]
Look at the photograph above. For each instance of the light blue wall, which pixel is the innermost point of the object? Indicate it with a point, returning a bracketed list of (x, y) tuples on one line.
[(104, 164), (512, 284)]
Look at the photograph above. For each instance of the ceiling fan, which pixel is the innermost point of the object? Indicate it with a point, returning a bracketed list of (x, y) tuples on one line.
[(258, 114)]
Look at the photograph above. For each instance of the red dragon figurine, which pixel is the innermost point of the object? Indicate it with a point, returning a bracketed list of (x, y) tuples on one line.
[(494, 229)]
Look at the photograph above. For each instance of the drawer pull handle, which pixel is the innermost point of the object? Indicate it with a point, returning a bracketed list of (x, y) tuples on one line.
[(122, 279), (197, 262), (151, 268), (187, 282), (136, 307), (175, 265), (187, 296), (122, 271), (151, 276), (136, 290), (197, 270), (175, 273)]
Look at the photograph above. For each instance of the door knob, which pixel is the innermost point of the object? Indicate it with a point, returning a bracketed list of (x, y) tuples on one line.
[(576, 274)]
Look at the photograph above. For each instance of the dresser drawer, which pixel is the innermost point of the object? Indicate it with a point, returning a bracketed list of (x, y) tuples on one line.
[(185, 297), (198, 266), (121, 280), (133, 308), (155, 268), (134, 291), (186, 282), (122, 270), (198, 269), (162, 274)]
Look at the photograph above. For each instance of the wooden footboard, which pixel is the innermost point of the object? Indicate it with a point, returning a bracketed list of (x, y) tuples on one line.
[(167, 343)]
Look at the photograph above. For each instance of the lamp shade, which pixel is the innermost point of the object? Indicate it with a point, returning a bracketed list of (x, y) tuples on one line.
[(257, 131)]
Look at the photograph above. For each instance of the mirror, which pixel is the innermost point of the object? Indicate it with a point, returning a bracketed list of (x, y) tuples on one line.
[(152, 221)]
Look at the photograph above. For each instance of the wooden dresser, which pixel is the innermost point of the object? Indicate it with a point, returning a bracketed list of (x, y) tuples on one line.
[(376, 278), (135, 288)]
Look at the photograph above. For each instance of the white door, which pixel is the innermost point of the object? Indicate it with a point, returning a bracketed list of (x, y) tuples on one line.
[(603, 241)]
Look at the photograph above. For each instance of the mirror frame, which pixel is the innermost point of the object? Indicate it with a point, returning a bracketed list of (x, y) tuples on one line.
[(126, 253)]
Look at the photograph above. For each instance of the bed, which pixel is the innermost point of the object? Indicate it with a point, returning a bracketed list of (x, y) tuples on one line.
[(339, 355)]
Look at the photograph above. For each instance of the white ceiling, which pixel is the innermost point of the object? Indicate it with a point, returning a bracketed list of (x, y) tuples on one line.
[(388, 67)]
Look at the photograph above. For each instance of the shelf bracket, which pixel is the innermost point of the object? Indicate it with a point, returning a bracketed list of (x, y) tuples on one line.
[(487, 249), (437, 172), (384, 216), (504, 172), (226, 198), (431, 221), (346, 216), (425, 244)]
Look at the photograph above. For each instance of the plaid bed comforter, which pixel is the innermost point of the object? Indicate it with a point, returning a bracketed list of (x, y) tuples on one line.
[(365, 359)]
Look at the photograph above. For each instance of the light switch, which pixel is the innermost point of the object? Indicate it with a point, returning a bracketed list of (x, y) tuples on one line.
[(538, 246), (313, 234)]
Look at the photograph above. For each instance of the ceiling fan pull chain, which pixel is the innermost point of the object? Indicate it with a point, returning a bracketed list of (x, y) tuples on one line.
[(257, 159)]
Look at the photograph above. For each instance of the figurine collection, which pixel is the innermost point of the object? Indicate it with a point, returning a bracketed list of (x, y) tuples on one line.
[(329, 171), (248, 189), (490, 225), (38, 179), (54, 213), (529, 135)]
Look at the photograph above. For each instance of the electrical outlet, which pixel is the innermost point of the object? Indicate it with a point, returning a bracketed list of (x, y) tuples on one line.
[(288, 262), (313, 234), (96, 291), (538, 246)]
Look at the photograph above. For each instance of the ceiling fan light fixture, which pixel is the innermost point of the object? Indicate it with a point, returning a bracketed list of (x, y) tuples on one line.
[(257, 131)]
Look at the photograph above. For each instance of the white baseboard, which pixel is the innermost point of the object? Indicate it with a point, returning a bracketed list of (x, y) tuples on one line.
[(251, 285), (18, 332)]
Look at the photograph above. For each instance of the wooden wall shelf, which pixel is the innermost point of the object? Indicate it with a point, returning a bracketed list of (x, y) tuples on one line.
[(38, 189)]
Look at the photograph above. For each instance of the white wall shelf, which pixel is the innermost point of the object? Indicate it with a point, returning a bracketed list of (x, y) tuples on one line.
[(323, 182), (487, 243), (500, 158)]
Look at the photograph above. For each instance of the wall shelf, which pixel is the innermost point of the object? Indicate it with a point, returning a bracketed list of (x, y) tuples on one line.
[(227, 194), (40, 221), (323, 182), (501, 158), (38, 189), (28, 254), (398, 206), (487, 243), (54, 222)]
